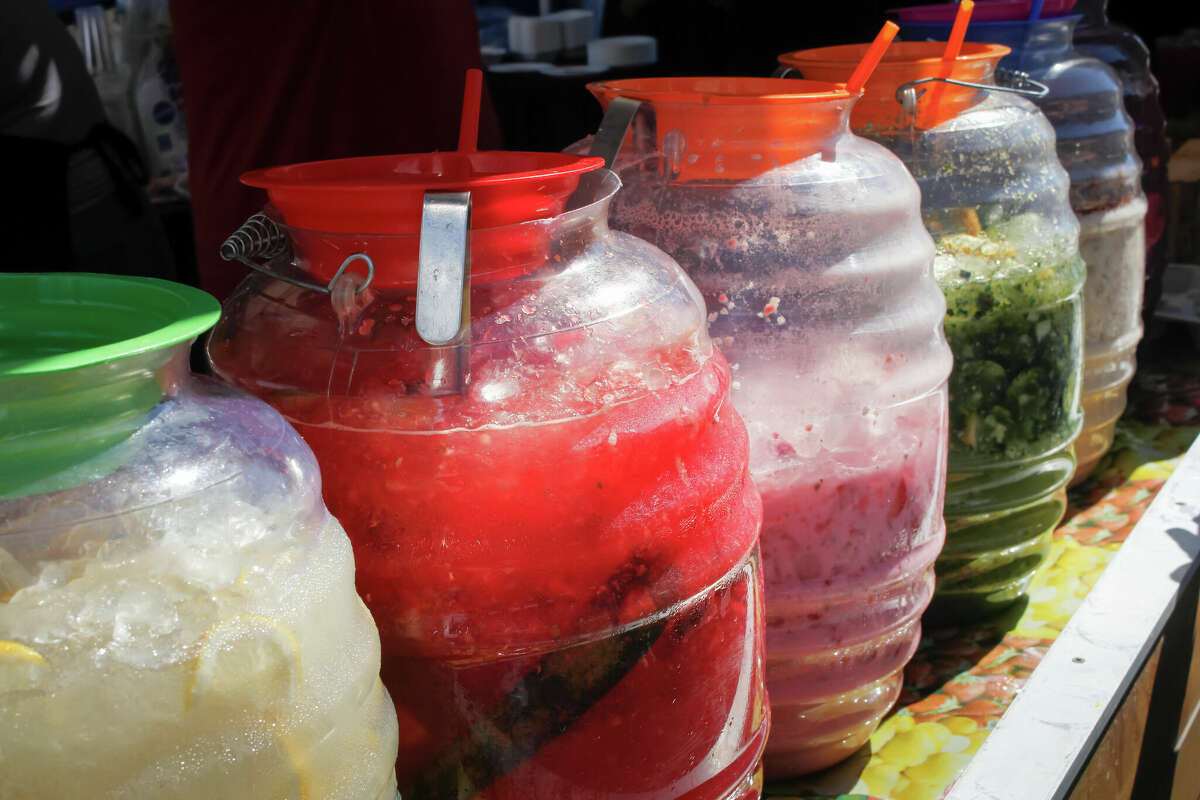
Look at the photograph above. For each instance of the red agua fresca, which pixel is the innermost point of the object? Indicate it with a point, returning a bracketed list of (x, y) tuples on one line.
[(552, 517)]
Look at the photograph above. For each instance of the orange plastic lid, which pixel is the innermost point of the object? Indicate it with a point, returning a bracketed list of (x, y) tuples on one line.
[(721, 91), (736, 128), (904, 62)]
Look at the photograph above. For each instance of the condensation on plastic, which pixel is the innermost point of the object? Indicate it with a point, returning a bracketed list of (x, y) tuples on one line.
[(816, 275), (203, 529), (564, 520), (580, 278)]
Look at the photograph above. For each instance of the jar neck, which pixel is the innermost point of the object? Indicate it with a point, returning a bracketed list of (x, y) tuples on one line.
[(496, 253), (72, 421), (1046, 38), (934, 101)]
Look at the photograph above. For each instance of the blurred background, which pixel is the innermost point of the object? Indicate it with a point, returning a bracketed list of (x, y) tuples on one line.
[(170, 100)]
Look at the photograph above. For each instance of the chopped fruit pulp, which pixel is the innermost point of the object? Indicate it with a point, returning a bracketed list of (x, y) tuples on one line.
[(848, 555), (568, 597)]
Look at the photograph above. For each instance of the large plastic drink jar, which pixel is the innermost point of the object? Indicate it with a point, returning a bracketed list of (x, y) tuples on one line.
[(807, 245), (550, 505), (1126, 53), (1095, 143), (995, 199), (177, 608)]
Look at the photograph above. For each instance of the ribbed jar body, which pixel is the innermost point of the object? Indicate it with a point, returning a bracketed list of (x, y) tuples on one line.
[(554, 523), (1124, 51), (1008, 260), (1096, 147), (816, 273)]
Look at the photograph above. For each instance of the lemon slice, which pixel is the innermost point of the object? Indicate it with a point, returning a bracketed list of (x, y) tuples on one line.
[(248, 664), (298, 762), (20, 667)]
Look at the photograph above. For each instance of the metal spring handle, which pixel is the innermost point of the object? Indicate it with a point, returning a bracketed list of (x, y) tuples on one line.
[(1008, 80), (260, 238)]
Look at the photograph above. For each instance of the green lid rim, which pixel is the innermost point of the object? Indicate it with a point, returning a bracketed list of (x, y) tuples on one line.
[(198, 311)]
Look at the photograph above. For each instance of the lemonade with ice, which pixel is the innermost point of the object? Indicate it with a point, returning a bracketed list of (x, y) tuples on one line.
[(178, 616)]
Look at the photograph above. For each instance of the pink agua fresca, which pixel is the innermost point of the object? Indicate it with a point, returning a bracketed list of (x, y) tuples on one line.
[(808, 247)]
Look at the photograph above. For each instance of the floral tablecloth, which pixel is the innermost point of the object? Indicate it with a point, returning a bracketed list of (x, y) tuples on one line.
[(961, 680)]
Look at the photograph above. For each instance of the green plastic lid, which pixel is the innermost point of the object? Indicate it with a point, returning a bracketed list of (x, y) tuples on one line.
[(61, 321), (81, 367)]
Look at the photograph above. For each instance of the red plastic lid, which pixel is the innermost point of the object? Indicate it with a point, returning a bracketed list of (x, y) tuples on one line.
[(985, 11), (331, 207), (383, 194)]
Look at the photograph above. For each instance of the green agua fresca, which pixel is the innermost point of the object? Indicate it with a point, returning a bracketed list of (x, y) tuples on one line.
[(996, 201)]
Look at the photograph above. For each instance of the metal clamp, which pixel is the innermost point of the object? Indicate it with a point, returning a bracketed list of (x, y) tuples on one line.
[(444, 267), (613, 127), (1023, 85), (260, 237), (443, 313)]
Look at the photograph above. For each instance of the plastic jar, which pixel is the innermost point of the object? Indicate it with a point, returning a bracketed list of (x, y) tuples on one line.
[(807, 245), (177, 608), (550, 508), (1095, 144)]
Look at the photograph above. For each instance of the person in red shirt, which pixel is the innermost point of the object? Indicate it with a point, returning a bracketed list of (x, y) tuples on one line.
[(266, 84)]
